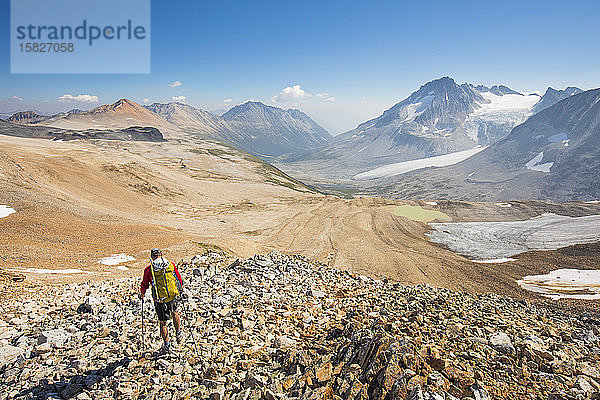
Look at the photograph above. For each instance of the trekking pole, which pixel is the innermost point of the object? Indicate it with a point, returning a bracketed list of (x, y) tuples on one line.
[(143, 326), (186, 312), (187, 317)]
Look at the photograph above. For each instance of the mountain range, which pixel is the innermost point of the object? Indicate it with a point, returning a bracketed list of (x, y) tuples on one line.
[(553, 96), (189, 118), (255, 127), (554, 155), (27, 117), (273, 131), (440, 118), (34, 117), (119, 115)]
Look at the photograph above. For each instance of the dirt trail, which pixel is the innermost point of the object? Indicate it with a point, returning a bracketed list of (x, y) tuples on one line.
[(363, 236)]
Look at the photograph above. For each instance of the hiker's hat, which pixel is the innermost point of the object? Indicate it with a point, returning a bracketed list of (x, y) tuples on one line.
[(155, 253)]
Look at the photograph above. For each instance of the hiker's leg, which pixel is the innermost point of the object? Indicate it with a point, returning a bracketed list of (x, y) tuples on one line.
[(164, 333), (176, 320)]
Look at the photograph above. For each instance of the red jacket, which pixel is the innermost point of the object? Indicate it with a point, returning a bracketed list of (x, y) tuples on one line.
[(147, 279)]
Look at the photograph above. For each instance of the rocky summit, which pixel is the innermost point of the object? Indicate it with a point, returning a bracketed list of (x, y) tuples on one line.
[(278, 327)]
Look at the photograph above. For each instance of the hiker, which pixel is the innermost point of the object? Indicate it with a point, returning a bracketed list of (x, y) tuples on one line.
[(167, 284)]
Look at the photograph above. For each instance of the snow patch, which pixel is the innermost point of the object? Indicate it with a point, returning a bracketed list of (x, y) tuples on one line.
[(494, 261), (412, 111), (5, 211), (122, 268), (358, 134), (506, 110), (431, 203), (565, 284), (407, 166), (534, 163), (493, 240), (115, 259), (559, 137), (505, 103), (593, 202), (504, 205), (50, 271)]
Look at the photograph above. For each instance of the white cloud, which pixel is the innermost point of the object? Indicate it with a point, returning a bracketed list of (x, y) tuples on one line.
[(295, 94), (325, 96), (179, 99), (146, 101), (17, 98), (227, 100), (175, 84), (291, 94), (81, 98)]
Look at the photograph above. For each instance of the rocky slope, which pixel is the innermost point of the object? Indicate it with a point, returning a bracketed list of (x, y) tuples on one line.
[(33, 117), (131, 133), (27, 117), (553, 156), (275, 327), (440, 118), (190, 118)]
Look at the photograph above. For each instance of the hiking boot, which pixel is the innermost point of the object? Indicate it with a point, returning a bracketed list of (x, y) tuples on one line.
[(179, 337), (164, 350)]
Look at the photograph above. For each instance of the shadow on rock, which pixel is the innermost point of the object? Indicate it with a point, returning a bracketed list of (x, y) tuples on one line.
[(73, 386)]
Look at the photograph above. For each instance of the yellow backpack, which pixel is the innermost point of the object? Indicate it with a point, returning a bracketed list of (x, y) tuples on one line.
[(165, 285)]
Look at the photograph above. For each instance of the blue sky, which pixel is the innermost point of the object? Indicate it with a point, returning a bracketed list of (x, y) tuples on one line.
[(350, 59)]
